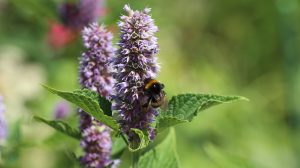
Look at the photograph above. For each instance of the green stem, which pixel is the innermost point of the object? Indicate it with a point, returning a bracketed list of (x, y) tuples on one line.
[(135, 159), (124, 138)]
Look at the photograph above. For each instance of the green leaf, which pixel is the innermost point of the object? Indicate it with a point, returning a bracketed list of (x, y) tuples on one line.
[(168, 121), (184, 107), (225, 159), (163, 155), (61, 127), (11, 152), (118, 147), (74, 160), (105, 105), (88, 101), (144, 140)]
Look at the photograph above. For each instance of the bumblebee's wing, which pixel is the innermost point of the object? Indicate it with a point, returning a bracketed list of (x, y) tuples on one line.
[(164, 106)]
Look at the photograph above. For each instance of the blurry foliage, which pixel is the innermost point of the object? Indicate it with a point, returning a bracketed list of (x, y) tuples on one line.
[(247, 47)]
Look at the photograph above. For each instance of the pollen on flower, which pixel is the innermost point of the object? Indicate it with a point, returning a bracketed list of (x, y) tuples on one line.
[(135, 61)]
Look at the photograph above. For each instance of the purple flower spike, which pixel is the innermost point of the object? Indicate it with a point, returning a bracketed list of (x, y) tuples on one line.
[(62, 110), (97, 142), (94, 71), (69, 13), (3, 126), (76, 16), (90, 10), (94, 74), (136, 61)]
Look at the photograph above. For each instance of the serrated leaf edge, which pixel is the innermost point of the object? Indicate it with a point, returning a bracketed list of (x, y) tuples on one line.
[(76, 135), (54, 91), (201, 106)]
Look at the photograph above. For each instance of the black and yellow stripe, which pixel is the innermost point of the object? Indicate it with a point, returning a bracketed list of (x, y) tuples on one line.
[(150, 83)]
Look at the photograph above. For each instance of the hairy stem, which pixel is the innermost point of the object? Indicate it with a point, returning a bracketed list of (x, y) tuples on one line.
[(135, 159)]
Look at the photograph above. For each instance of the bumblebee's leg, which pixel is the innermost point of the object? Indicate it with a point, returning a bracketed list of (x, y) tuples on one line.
[(150, 101), (145, 107)]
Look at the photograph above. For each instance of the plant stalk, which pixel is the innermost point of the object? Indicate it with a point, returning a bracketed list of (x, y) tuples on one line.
[(135, 159)]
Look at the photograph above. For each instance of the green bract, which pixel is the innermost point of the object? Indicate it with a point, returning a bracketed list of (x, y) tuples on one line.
[(144, 140)]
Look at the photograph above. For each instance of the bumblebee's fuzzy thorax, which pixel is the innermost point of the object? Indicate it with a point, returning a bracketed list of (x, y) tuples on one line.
[(154, 93), (149, 83)]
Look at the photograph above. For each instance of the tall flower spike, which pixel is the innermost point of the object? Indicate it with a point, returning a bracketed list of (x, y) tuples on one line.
[(94, 74), (94, 70), (3, 126), (136, 61)]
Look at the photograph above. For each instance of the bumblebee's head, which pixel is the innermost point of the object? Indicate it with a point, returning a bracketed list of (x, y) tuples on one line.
[(153, 86)]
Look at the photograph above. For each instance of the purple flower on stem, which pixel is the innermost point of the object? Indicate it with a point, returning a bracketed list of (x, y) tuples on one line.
[(76, 16), (62, 110), (90, 10), (136, 61), (94, 70), (94, 74), (97, 142), (3, 126), (69, 13)]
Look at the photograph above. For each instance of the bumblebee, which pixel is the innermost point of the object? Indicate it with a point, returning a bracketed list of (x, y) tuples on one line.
[(154, 93)]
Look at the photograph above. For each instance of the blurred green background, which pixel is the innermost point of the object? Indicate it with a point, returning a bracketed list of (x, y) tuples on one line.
[(239, 47)]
